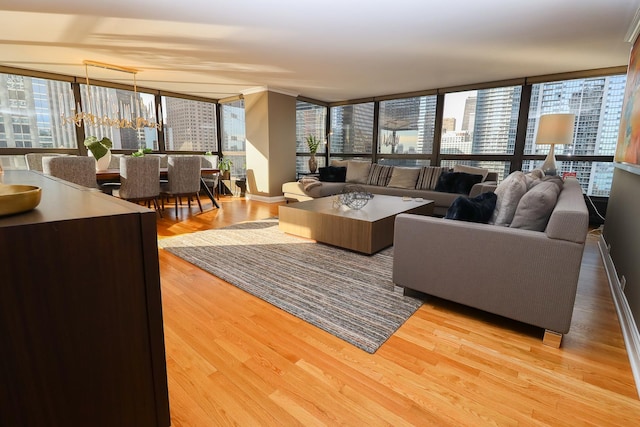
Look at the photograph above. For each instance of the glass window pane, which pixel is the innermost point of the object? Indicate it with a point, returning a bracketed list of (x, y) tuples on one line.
[(234, 136), (189, 125), (32, 113), (311, 119), (352, 129), (118, 104), (597, 104), (481, 121), (406, 126)]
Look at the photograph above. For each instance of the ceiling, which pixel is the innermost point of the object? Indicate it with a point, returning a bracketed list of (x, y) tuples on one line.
[(332, 50)]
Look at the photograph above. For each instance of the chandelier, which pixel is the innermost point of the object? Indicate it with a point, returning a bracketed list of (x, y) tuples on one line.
[(134, 114)]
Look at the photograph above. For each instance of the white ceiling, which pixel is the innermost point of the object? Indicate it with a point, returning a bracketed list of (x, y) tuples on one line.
[(330, 50)]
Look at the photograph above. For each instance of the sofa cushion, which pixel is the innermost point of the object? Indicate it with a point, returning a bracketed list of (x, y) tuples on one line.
[(428, 177), (379, 175), (357, 171), (509, 193), (473, 209), (535, 207), (472, 170), (404, 177), (333, 174), (457, 182)]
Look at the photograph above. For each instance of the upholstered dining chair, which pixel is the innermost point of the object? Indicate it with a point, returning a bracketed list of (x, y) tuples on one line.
[(211, 181), (183, 174), (80, 170), (140, 180), (34, 160)]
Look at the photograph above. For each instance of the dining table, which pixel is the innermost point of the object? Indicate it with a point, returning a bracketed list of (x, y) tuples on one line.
[(113, 175)]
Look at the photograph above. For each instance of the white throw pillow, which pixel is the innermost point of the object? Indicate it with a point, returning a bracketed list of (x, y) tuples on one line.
[(509, 193), (472, 170), (535, 207), (404, 177), (358, 172)]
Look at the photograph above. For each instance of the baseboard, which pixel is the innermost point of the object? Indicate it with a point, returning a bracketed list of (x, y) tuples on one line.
[(625, 316)]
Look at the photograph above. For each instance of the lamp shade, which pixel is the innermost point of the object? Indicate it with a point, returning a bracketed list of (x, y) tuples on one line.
[(555, 129)]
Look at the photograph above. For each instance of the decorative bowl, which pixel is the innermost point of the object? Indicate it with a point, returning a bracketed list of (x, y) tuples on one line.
[(18, 198), (354, 196)]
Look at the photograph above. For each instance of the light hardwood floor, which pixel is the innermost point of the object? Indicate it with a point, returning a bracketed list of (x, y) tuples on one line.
[(233, 359)]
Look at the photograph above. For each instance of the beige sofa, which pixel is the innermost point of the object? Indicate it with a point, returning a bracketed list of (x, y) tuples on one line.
[(295, 191), (529, 276)]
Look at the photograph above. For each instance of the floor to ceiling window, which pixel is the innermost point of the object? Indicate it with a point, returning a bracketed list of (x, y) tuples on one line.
[(189, 125), (352, 131), (125, 104), (406, 129), (597, 105), (233, 136), (311, 120), (480, 122)]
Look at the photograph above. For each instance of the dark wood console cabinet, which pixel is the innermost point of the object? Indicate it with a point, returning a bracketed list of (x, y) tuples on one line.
[(81, 330)]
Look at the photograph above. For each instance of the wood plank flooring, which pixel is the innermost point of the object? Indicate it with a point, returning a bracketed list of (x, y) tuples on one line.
[(233, 359)]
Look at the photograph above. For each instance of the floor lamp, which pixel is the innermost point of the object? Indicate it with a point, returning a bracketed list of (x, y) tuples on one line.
[(554, 129)]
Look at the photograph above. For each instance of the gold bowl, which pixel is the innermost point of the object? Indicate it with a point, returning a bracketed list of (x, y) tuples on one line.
[(18, 198)]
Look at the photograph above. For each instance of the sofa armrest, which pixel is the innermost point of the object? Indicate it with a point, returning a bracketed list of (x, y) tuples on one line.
[(483, 187), (520, 274), (570, 217)]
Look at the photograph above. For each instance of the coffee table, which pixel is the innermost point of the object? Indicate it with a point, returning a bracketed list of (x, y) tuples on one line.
[(365, 230)]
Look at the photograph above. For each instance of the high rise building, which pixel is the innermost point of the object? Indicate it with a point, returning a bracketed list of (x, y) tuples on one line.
[(469, 115), (448, 124), (190, 125)]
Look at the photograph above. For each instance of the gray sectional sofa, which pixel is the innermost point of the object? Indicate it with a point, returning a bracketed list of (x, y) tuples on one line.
[(529, 275), (301, 191)]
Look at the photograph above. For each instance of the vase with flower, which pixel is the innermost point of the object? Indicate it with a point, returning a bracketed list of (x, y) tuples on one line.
[(313, 143)]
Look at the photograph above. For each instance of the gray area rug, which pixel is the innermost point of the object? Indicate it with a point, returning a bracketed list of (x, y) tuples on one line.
[(344, 293)]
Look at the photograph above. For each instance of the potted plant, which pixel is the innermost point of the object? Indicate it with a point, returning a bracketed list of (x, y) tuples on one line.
[(313, 143), (224, 164), (100, 150)]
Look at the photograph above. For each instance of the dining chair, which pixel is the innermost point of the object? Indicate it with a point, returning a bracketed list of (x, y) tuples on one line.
[(114, 163), (80, 170), (140, 180), (183, 174), (34, 160), (211, 181)]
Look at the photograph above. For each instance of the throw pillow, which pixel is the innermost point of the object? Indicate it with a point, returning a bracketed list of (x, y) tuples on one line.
[(404, 177), (472, 170), (428, 177), (340, 163), (535, 207), (476, 209), (457, 182), (509, 193), (379, 175), (333, 174), (357, 171)]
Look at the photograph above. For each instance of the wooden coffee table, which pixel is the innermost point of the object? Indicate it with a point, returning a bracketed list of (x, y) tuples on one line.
[(365, 230)]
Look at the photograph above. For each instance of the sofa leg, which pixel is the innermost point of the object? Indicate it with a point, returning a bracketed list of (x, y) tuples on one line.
[(551, 338), (412, 293)]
